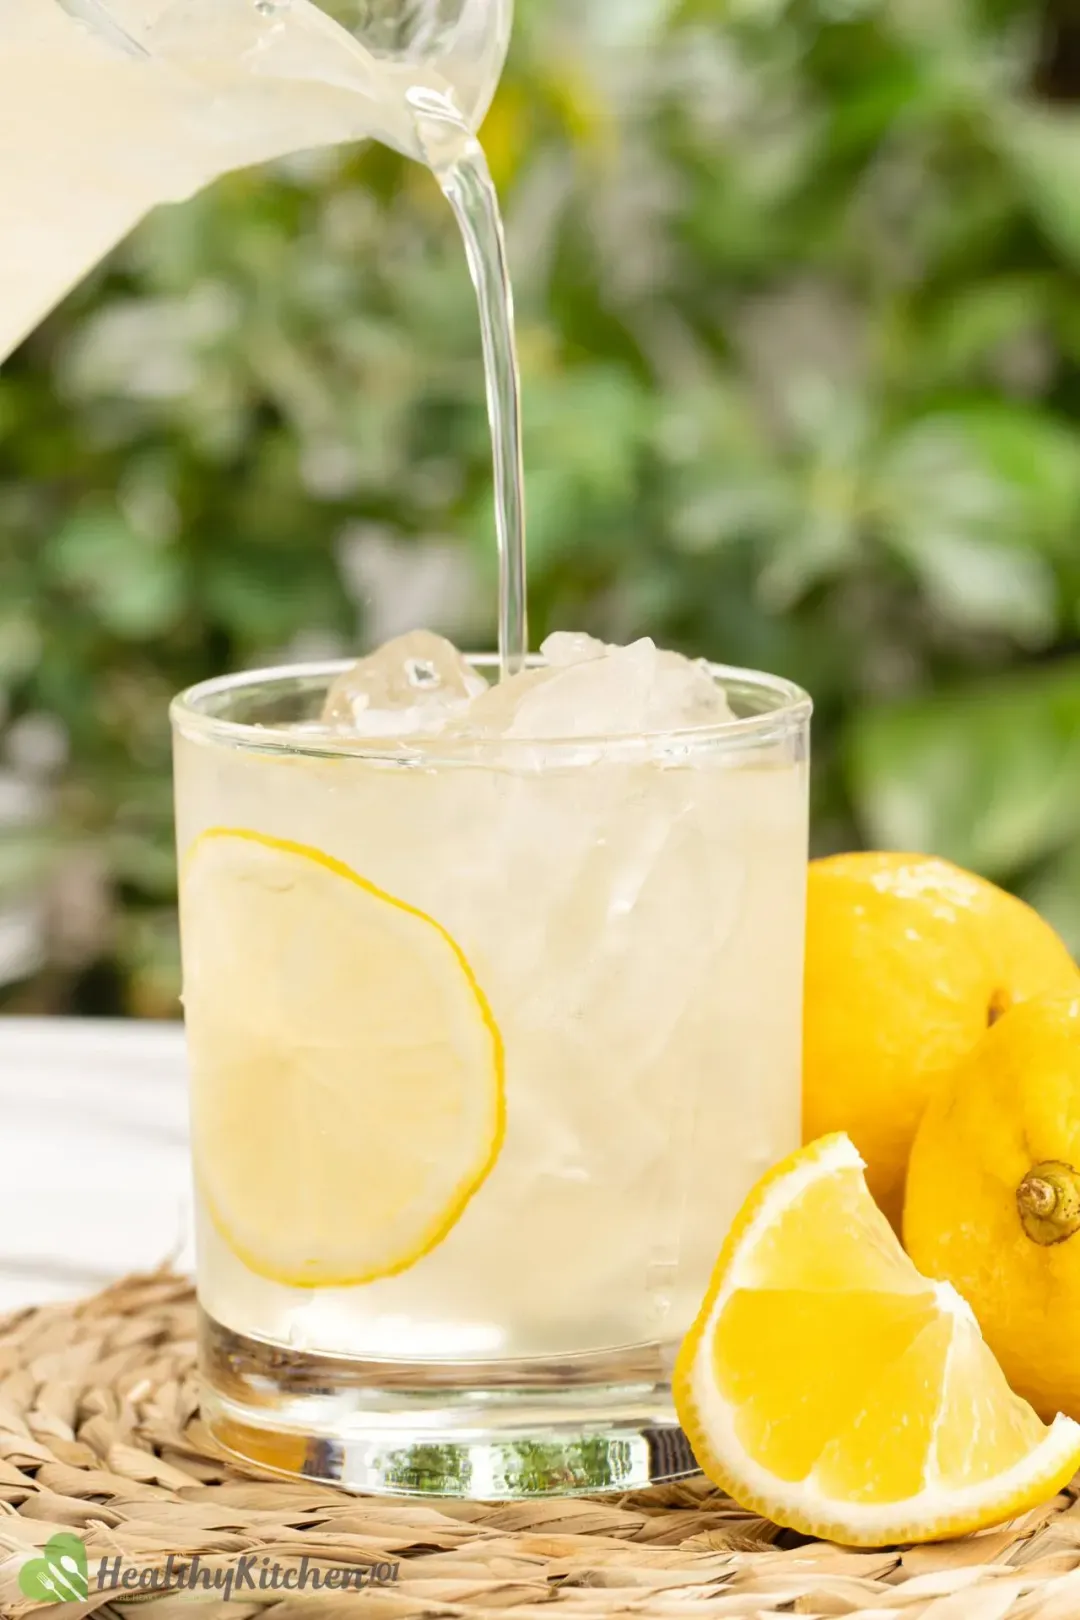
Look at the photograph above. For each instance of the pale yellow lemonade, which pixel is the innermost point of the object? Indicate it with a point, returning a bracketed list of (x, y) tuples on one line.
[(594, 942)]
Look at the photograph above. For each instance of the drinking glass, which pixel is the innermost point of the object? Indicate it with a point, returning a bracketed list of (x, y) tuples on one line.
[(489, 1039)]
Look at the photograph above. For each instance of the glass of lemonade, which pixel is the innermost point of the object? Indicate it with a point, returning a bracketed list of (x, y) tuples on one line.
[(493, 996)]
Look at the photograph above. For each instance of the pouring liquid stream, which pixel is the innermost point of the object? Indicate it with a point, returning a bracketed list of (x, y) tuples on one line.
[(114, 106), (472, 195), (467, 184)]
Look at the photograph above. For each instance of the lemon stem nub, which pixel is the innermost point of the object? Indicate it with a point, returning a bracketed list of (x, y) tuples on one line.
[(997, 1008), (1048, 1200)]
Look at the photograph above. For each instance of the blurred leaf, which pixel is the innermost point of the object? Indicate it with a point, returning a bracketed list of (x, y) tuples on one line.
[(589, 425), (1043, 146), (134, 586), (968, 339), (969, 498), (1037, 456), (988, 775), (263, 596), (984, 584)]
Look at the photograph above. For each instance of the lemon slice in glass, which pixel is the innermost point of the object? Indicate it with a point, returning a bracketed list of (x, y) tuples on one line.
[(347, 1074), (831, 1387)]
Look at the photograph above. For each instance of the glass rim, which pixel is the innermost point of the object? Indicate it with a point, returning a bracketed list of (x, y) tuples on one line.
[(789, 712)]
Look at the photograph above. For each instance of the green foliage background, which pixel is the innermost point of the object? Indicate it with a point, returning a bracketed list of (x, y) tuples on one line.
[(797, 286)]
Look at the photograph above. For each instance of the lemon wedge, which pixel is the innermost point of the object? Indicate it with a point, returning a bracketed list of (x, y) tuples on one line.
[(347, 1073), (829, 1386)]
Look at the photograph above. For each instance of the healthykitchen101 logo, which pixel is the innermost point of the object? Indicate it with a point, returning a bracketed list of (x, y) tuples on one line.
[(63, 1574)]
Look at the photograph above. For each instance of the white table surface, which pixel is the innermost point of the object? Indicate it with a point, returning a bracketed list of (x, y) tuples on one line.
[(94, 1178)]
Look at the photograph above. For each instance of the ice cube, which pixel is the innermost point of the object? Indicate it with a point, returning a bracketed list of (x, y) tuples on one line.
[(494, 712), (616, 691), (686, 695), (566, 647), (413, 685)]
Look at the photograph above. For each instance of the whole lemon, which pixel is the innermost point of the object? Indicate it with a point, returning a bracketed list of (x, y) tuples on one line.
[(993, 1196), (908, 960)]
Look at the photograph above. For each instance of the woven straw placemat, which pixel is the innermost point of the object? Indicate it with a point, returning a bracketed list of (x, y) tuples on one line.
[(100, 1437)]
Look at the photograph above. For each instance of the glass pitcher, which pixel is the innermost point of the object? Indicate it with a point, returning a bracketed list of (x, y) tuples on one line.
[(113, 106)]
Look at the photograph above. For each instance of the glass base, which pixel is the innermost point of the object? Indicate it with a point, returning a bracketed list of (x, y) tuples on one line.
[(487, 1430)]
